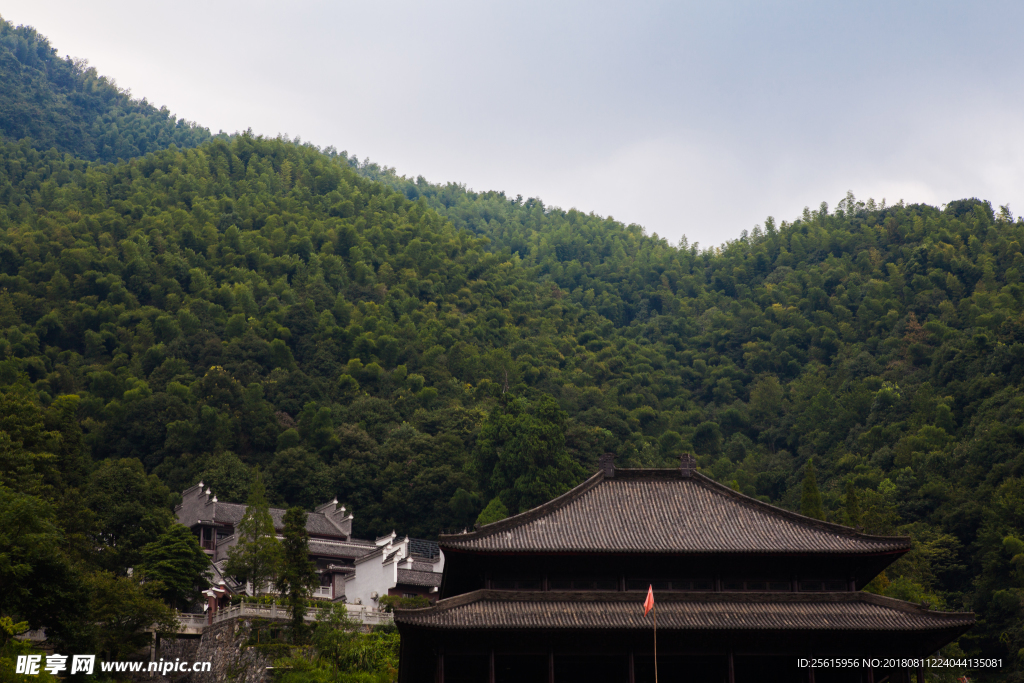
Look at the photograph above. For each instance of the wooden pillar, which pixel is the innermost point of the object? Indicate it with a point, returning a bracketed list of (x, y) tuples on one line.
[(490, 669), (810, 674), (551, 665), (439, 672), (732, 668), (920, 674), (871, 675), (632, 669)]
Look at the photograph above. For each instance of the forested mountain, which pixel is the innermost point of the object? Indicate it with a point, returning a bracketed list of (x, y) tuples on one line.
[(424, 351), (65, 104)]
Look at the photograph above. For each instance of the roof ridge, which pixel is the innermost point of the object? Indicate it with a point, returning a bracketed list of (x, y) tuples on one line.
[(526, 516), (756, 504), (462, 541)]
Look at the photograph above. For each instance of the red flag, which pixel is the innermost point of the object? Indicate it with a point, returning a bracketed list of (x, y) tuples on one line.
[(649, 602)]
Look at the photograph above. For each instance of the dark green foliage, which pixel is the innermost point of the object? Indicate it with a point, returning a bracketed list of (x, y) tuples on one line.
[(297, 574), (176, 561), (256, 558), (521, 453), (464, 506), (40, 582), (420, 349), (123, 609), (810, 496), (341, 653), (131, 509), (852, 506), (66, 105), (494, 512), (389, 603)]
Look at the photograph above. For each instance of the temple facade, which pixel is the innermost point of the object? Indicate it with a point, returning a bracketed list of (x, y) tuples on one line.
[(743, 591), (350, 569)]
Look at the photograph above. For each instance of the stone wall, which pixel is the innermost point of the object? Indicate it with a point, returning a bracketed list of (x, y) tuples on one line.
[(221, 645)]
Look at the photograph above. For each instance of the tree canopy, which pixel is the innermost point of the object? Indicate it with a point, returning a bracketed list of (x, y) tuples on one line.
[(217, 306)]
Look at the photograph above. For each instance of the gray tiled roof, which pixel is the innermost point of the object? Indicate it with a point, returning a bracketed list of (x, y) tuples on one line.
[(681, 611), (411, 577), (316, 523), (662, 511), (335, 549)]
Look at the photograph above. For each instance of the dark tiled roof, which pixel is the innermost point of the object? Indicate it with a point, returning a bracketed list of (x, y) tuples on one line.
[(662, 511), (230, 513), (323, 548), (411, 577), (851, 611), (316, 523)]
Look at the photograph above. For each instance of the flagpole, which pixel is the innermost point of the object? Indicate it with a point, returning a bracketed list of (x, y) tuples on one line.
[(655, 610)]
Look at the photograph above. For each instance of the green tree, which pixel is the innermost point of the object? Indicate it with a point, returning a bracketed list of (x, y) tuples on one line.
[(852, 505), (810, 496), (131, 509), (464, 506), (257, 555), (494, 512), (297, 574), (521, 452), (123, 609), (177, 562), (41, 586)]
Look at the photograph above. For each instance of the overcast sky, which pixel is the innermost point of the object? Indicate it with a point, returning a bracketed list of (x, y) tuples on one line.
[(689, 118)]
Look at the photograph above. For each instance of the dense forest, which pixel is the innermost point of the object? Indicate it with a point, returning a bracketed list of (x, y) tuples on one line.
[(176, 306)]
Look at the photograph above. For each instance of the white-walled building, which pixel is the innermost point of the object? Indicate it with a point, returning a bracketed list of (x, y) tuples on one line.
[(404, 567), (351, 570)]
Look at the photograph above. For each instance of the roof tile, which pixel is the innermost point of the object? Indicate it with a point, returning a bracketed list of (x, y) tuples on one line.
[(662, 511), (490, 609)]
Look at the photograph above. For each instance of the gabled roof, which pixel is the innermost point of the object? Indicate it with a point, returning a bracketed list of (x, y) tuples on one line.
[(848, 611), (316, 523), (198, 507), (664, 511), (344, 549), (412, 577)]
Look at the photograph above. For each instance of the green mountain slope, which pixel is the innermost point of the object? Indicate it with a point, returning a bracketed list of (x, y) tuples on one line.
[(424, 351), (65, 104)]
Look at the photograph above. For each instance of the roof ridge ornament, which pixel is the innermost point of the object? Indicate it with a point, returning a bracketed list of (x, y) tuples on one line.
[(687, 465), (607, 465)]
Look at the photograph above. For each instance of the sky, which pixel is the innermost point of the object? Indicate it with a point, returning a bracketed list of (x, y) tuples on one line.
[(695, 119)]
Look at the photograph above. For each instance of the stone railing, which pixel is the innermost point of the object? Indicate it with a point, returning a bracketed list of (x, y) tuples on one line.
[(249, 610), (368, 616), (191, 624)]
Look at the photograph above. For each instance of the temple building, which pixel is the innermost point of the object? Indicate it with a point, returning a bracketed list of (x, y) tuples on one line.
[(351, 569), (743, 590), (331, 545)]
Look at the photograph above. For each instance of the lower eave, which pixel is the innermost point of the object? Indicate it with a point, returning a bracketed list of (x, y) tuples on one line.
[(517, 610), (465, 552)]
